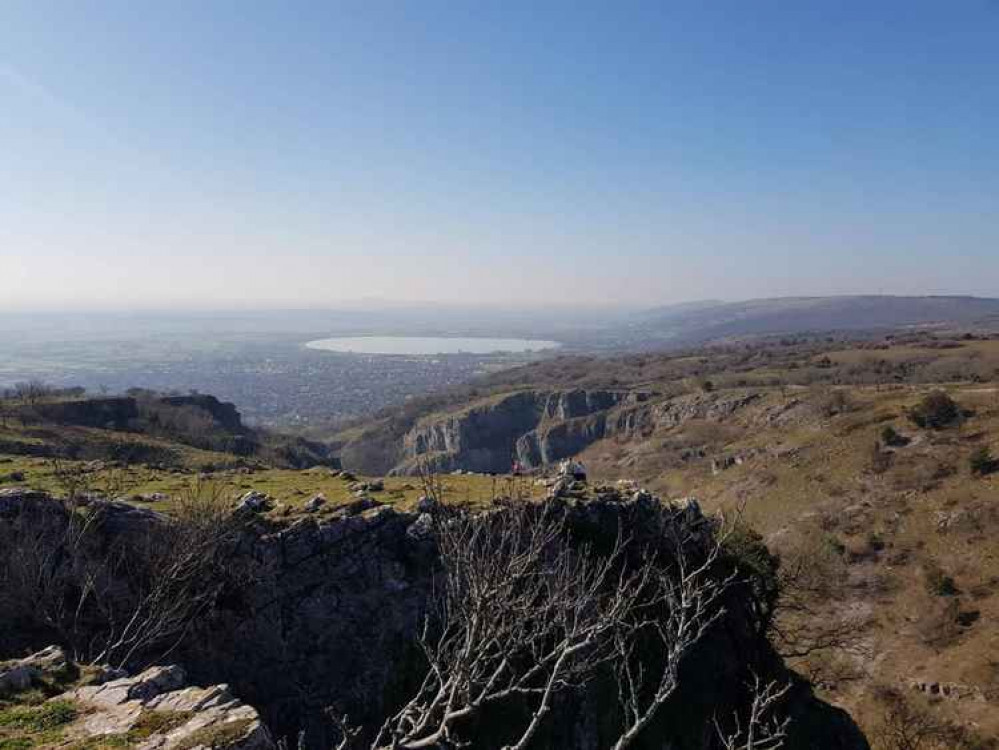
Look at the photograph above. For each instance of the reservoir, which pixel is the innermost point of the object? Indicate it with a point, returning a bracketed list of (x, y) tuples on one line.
[(420, 345)]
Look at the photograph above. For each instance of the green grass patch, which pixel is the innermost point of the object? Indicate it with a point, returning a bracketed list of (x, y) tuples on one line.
[(23, 727), (217, 737), (290, 488), (102, 742), (16, 743), (157, 722), (38, 718)]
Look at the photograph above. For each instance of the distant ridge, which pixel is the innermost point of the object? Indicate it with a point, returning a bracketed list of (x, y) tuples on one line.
[(791, 315)]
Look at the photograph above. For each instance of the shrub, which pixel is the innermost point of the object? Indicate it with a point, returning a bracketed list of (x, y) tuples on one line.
[(935, 411), (744, 547), (880, 459), (833, 402), (982, 462), (938, 583), (906, 725), (891, 437)]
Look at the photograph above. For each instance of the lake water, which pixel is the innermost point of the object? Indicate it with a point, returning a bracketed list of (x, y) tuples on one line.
[(417, 345)]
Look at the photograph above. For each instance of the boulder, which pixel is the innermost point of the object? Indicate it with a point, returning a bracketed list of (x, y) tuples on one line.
[(641, 496), (22, 673), (426, 504), (358, 506), (254, 502), (317, 502), (422, 528), (559, 489), (189, 717)]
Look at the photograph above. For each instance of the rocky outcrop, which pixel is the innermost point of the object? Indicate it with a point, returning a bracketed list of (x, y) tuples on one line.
[(115, 413), (172, 714), (707, 406), (533, 427), (329, 611), (153, 710), (537, 428), (18, 675), (223, 413), (478, 438)]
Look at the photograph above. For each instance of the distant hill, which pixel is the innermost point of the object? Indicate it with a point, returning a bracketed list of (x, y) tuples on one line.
[(700, 322), (144, 427)]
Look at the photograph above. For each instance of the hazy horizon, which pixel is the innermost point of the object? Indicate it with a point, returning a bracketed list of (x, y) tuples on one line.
[(568, 155)]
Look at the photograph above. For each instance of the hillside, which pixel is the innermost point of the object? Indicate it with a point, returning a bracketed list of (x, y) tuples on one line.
[(142, 427), (885, 527), (324, 617), (881, 509), (704, 322), (535, 397)]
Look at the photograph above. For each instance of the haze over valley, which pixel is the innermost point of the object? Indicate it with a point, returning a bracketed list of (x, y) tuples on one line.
[(270, 365)]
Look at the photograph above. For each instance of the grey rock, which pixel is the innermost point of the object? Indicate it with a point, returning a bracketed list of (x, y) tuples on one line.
[(142, 687), (22, 673), (253, 502), (641, 496), (422, 528), (314, 504), (115, 707), (426, 504), (358, 506)]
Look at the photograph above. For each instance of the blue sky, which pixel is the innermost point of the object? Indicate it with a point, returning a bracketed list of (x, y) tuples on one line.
[(292, 154)]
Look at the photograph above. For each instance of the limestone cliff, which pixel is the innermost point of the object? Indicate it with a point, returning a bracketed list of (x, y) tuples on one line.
[(329, 611), (537, 428), (154, 710)]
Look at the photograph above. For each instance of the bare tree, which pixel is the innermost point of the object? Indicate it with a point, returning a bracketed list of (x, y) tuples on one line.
[(905, 726), (524, 613), (520, 614), (185, 565), (764, 728), (811, 576), (116, 598), (687, 603), (31, 391)]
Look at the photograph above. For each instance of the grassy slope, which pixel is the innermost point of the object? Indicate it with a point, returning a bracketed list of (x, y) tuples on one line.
[(289, 487), (807, 484), (812, 481)]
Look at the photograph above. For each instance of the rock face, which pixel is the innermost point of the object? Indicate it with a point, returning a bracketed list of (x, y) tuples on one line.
[(223, 412), (537, 428), (480, 438), (253, 502), (153, 710), (182, 716), (115, 412), (532, 427), (20, 674), (329, 613), (336, 603)]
